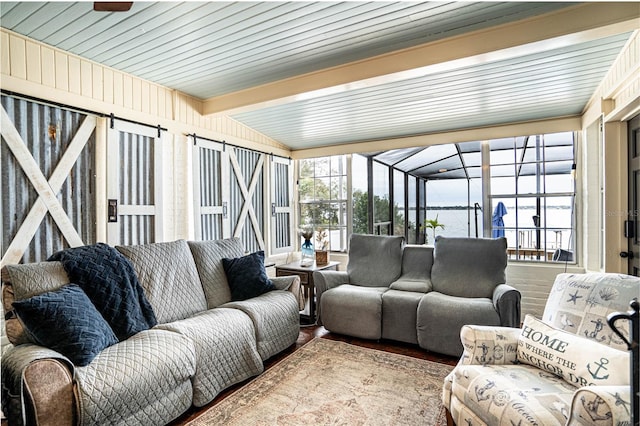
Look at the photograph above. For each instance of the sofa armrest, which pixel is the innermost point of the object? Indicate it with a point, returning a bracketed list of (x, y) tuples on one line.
[(483, 345), (506, 301), (593, 404), (290, 283), (323, 281), (489, 345), (38, 387)]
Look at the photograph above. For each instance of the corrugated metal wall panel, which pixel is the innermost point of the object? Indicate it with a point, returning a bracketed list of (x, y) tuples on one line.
[(210, 193), (210, 179), (211, 226), (282, 198), (137, 229), (281, 182), (136, 152), (47, 131), (137, 186), (283, 236)]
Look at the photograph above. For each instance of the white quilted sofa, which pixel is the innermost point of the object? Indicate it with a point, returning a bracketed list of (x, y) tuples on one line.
[(567, 368), (202, 344)]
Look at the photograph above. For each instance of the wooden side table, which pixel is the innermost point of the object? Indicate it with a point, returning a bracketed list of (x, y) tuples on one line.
[(306, 280)]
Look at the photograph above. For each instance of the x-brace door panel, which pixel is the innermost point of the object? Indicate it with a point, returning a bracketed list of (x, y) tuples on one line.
[(40, 140)]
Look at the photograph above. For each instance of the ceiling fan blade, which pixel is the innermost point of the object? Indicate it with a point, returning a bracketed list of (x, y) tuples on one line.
[(112, 6)]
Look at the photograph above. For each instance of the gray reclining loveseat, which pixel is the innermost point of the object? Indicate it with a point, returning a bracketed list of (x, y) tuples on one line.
[(418, 294)]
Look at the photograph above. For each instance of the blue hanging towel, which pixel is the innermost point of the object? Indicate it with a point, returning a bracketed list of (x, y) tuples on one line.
[(496, 220)]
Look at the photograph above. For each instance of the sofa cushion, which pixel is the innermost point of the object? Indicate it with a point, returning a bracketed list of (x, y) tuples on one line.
[(169, 278), (411, 285), (353, 310), (225, 347), (468, 267), (417, 262), (247, 276), (66, 321), (400, 309), (416, 270), (276, 320), (441, 317), (577, 360), (374, 260), (144, 380), (23, 281), (208, 256)]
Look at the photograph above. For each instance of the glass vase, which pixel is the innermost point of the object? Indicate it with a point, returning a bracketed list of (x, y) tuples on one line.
[(308, 254)]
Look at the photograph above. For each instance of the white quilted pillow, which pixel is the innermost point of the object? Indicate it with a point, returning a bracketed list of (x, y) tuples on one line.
[(579, 361)]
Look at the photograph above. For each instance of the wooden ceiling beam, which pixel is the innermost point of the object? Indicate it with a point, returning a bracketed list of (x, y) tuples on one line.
[(575, 24)]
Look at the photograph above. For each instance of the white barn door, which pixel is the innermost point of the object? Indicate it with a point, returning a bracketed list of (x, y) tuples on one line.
[(281, 205), (211, 190), (134, 184), (235, 196), (247, 197), (46, 157)]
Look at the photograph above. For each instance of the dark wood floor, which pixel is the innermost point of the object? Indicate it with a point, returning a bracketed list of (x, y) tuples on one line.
[(307, 333)]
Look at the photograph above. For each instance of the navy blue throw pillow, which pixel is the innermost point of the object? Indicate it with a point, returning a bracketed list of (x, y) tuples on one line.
[(247, 276), (66, 321), (111, 283)]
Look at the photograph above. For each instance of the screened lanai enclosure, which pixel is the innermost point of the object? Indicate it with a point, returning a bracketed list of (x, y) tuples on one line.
[(522, 188)]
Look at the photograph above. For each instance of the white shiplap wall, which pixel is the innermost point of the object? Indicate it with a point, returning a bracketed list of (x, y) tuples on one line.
[(534, 283)]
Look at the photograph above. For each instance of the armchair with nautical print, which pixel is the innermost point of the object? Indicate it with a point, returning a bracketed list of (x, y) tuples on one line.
[(567, 368)]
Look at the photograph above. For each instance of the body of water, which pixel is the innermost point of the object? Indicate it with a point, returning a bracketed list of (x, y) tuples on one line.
[(460, 223)]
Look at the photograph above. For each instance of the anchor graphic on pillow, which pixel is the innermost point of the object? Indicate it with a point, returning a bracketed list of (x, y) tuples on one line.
[(601, 366), (591, 407), (599, 325)]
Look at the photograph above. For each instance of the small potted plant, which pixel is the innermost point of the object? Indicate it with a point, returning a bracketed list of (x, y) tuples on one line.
[(432, 224), (322, 247)]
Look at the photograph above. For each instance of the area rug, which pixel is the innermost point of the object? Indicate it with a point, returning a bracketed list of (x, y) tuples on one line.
[(335, 383)]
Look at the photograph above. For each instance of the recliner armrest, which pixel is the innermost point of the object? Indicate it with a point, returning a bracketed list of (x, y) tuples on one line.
[(591, 404), (489, 345), (506, 301), (37, 386), (292, 284), (325, 280)]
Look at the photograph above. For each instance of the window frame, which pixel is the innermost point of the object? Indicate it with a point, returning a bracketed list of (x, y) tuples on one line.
[(343, 207)]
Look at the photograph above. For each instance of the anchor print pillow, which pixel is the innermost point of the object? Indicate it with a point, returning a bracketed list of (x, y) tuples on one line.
[(579, 361)]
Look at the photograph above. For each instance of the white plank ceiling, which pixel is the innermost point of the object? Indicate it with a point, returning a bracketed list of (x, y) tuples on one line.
[(208, 49)]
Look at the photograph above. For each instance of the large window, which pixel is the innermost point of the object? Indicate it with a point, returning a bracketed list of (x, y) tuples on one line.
[(359, 194), (413, 227), (521, 188), (399, 194), (322, 196), (381, 216), (533, 196), (452, 202)]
